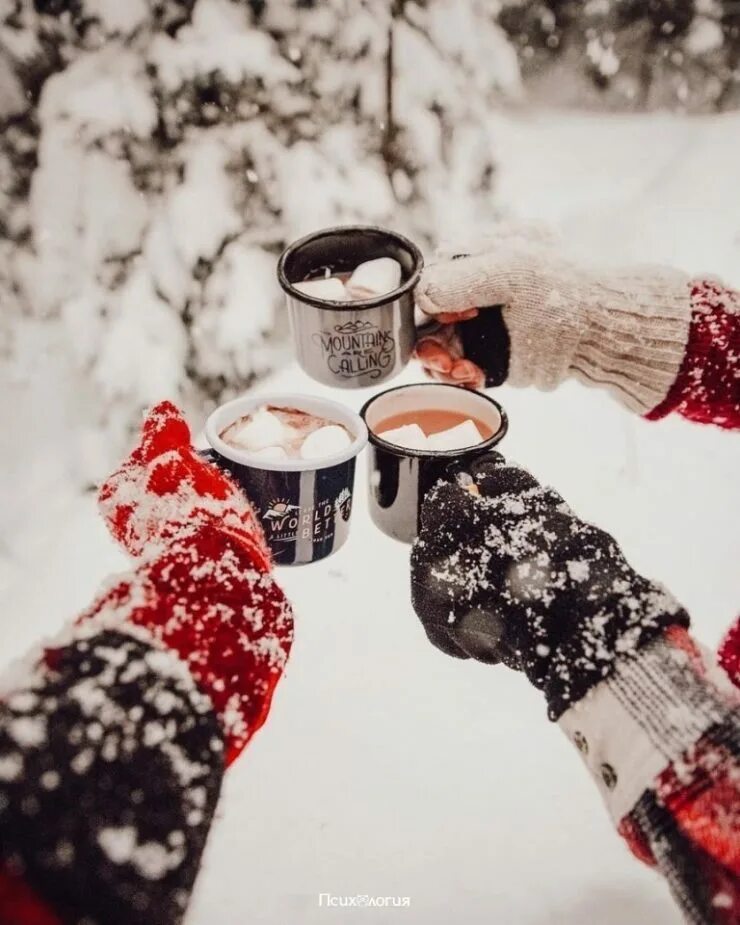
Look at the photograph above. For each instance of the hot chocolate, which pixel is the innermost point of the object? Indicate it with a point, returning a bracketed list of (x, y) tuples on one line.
[(433, 429), (273, 433), (420, 434)]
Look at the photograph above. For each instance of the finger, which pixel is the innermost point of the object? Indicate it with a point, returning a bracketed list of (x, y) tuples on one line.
[(509, 479), (430, 374), (164, 429), (454, 317), (476, 383), (465, 371), (434, 356), (483, 465), (445, 514), (442, 377), (438, 377), (472, 385)]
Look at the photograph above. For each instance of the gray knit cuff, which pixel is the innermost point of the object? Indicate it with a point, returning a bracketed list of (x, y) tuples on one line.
[(635, 337)]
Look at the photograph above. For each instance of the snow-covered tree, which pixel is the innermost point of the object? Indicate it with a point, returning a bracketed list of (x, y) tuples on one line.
[(156, 156), (680, 54)]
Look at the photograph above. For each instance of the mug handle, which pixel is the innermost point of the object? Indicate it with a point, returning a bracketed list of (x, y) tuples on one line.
[(216, 459), (209, 455)]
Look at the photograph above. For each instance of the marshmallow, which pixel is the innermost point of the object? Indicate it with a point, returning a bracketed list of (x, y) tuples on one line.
[(455, 438), (272, 453), (409, 436), (331, 288), (374, 278), (326, 441), (263, 429)]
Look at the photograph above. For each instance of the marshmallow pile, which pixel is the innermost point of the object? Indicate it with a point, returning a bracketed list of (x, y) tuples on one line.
[(412, 437), (369, 279), (276, 434)]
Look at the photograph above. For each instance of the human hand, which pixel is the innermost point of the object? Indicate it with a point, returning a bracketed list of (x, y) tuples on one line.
[(512, 310), (165, 487), (503, 570)]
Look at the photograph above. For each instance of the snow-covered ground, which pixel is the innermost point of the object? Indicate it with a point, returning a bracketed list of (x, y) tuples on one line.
[(387, 768)]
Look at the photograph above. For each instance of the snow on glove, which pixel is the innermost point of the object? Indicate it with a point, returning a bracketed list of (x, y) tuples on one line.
[(544, 320), (113, 743), (164, 489), (511, 574), (506, 572)]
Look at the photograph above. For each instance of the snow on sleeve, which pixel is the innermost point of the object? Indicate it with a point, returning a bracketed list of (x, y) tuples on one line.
[(707, 388)]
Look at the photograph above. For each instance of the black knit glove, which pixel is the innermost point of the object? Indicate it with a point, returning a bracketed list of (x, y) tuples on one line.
[(503, 571)]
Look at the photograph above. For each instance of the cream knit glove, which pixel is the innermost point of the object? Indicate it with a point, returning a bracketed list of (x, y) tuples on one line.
[(625, 330)]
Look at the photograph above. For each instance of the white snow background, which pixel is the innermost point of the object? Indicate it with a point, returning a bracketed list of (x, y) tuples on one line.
[(387, 768)]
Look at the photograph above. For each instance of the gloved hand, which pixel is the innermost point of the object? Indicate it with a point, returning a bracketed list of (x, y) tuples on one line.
[(115, 738), (512, 310), (203, 586), (504, 571), (164, 489)]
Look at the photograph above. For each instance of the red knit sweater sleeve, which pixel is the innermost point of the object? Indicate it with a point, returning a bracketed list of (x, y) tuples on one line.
[(114, 740), (661, 739), (707, 388)]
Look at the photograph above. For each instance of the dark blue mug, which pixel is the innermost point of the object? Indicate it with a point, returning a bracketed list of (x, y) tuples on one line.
[(304, 505)]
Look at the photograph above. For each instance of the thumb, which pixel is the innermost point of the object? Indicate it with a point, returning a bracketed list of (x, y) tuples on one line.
[(164, 429), (460, 283)]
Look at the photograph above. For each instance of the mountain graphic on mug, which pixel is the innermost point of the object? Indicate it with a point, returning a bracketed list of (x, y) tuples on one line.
[(279, 509), (353, 327), (343, 503)]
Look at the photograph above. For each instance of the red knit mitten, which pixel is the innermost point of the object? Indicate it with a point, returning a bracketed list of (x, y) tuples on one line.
[(113, 743), (164, 489), (204, 588)]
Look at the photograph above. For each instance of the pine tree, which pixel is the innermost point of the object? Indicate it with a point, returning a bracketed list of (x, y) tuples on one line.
[(679, 54), (159, 154)]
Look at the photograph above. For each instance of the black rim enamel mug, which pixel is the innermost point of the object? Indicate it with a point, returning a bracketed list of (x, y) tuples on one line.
[(399, 478), (304, 505), (359, 343)]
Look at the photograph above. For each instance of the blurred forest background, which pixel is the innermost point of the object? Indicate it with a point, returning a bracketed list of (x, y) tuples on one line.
[(155, 157)]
